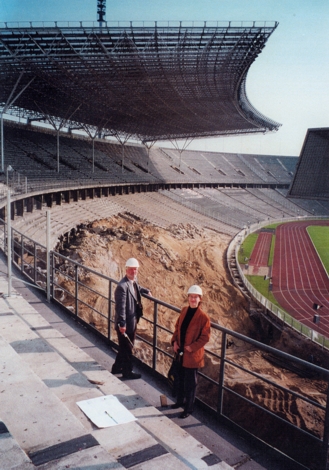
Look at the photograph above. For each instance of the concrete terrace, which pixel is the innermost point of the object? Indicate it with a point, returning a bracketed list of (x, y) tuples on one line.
[(49, 363)]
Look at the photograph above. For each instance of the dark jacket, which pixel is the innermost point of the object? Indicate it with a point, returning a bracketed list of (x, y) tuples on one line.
[(197, 335), (126, 308)]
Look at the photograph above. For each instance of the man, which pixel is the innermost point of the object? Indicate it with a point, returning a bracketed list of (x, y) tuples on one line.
[(128, 311)]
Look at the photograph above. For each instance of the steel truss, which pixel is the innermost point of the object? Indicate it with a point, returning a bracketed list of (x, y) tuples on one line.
[(148, 82)]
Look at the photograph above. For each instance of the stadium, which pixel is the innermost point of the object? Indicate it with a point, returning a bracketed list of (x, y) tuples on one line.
[(84, 184)]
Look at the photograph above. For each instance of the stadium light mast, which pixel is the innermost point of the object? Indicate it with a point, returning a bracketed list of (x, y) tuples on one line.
[(101, 10)]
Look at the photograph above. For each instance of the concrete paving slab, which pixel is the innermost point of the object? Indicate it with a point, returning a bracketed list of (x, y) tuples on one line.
[(109, 384), (15, 329), (12, 456), (194, 451), (17, 304), (136, 404), (56, 373), (27, 406), (179, 442), (124, 439), (72, 353), (168, 461), (104, 378), (29, 316)]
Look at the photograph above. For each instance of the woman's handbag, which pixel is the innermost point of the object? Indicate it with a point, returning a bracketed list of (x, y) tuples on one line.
[(174, 373)]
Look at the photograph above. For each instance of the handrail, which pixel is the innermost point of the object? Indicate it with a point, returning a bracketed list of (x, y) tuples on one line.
[(136, 24)]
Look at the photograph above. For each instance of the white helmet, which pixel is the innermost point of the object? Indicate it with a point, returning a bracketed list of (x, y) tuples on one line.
[(195, 290), (132, 263)]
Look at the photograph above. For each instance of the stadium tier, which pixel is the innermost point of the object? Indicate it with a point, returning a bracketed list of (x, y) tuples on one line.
[(51, 158), (311, 177)]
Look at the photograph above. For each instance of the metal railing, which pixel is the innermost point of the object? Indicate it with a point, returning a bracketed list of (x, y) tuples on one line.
[(225, 384), (136, 24)]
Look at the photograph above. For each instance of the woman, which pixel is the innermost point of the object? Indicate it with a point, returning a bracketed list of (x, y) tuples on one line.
[(192, 332)]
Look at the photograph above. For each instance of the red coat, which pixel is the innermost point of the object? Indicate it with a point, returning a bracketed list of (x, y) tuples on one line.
[(197, 335)]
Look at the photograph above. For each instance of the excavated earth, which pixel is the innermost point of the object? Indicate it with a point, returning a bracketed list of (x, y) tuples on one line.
[(170, 261)]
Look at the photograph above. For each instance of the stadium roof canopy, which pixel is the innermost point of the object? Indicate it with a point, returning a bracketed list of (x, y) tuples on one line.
[(157, 82)]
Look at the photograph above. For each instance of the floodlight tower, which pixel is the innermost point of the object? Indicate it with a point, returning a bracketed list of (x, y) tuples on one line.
[(101, 9)]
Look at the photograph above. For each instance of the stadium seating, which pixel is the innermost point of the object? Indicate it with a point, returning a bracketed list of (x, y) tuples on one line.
[(231, 190)]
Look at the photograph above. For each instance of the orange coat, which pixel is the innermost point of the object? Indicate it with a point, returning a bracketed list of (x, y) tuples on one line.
[(197, 335)]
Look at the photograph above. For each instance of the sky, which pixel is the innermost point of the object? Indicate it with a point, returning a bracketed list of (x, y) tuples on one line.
[(288, 82)]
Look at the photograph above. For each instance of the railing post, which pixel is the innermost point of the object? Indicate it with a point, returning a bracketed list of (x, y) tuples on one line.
[(48, 255), (76, 289), (155, 334), (9, 244), (109, 311), (4, 235), (325, 439), (35, 263), (52, 271), (22, 253), (221, 376)]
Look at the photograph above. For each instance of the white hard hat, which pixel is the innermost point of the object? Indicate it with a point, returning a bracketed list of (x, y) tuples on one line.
[(195, 290), (132, 263)]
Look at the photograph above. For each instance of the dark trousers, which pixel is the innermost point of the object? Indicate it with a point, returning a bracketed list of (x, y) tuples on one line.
[(188, 379), (124, 359)]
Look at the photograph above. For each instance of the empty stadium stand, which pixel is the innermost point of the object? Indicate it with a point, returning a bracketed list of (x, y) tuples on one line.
[(231, 191), (311, 178), (43, 156)]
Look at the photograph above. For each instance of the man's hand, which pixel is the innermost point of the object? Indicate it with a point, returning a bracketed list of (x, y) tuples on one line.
[(122, 329), (188, 348), (176, 347)]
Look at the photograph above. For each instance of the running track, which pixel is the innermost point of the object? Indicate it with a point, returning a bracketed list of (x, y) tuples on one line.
[(261, 251), (298, 277)]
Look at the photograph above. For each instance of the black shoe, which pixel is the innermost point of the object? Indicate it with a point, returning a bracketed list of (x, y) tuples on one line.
[(116, 370), (184, 415), (176, 405), (131, 376)]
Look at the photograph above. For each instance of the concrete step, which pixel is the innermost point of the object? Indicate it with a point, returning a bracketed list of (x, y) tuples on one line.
[(11, 454)]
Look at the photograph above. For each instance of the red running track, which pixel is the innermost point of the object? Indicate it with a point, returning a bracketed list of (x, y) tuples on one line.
[(298, 276), (261, 250)]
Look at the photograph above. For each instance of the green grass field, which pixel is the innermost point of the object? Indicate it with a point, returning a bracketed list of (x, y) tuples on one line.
[(262, 286), (247, 247), (320, 237)]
